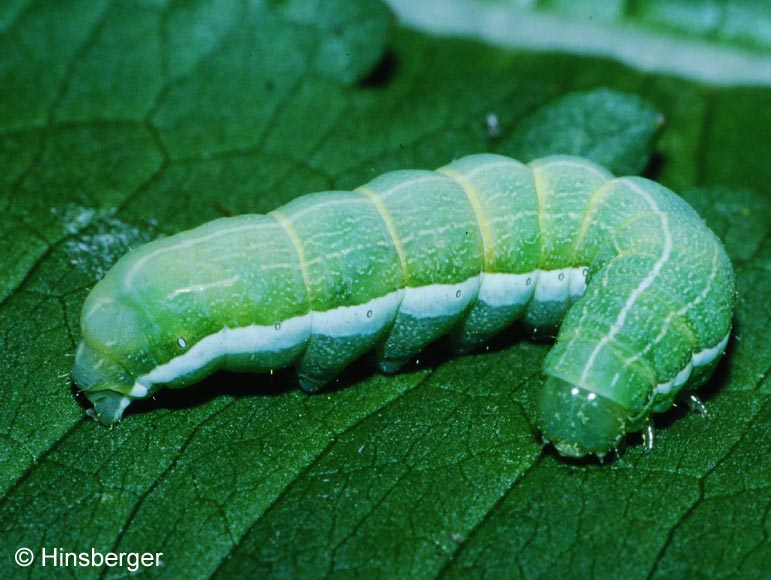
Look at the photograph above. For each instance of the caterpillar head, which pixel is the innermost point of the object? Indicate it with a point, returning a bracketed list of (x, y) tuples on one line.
[(104, 383), (111, 329), (578, 421)]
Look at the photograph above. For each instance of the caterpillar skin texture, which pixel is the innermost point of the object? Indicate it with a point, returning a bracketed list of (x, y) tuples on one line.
[(643, 289)]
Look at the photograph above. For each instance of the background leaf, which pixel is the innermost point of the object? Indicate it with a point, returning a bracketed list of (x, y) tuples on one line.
[(122, 121)]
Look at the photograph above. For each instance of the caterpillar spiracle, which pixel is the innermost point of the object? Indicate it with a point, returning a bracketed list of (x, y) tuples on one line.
[(640, 288)]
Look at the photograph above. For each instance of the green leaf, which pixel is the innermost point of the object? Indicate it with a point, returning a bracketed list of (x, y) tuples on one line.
[(614, 129), (127, 120)]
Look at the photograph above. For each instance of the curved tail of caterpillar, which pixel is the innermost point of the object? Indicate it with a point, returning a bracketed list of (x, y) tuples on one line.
[(643, 290)]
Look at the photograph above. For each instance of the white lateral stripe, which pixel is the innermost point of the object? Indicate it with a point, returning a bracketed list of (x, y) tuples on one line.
[(683, 375), (360, 320), (578, 282), (708, 355), (680, 379), (138, 390), (122, 404), (699, 359), (242, 340), (558, 285), (552, 287), (499, 290), (439, 300), (432, 301)]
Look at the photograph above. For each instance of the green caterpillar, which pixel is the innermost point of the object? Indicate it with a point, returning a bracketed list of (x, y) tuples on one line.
[(643, 290)]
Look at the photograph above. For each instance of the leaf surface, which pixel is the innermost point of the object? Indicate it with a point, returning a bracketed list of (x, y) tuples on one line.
[(123, 121)]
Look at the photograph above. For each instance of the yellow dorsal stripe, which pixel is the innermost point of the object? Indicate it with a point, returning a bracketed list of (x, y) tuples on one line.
[(592, 206), (539, 183), (286, 223), (474, 198), (374, 197)]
